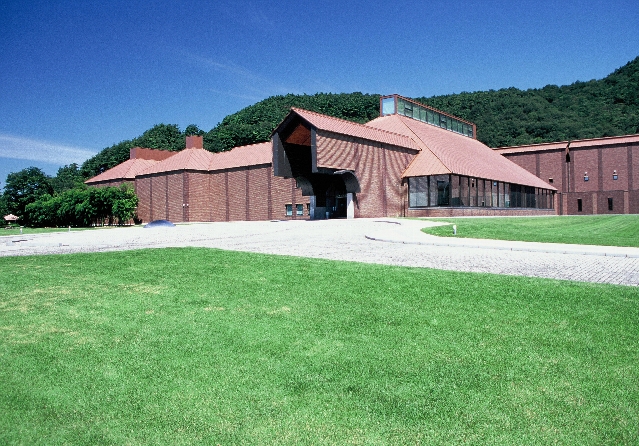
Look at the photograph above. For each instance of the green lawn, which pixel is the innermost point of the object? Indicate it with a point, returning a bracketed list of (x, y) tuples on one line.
[(606, 230), (183, 346)]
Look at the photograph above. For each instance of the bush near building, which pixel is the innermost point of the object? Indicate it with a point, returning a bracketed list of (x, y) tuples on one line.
[(84, 207)]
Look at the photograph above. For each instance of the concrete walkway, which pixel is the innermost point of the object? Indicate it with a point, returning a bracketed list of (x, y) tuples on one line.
[(384, 241)]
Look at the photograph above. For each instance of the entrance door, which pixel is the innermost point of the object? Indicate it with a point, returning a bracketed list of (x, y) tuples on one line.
[(340, 206), (336, 199)]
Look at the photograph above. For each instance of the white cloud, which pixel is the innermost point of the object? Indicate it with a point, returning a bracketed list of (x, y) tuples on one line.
[(17, 147), (251, 84)]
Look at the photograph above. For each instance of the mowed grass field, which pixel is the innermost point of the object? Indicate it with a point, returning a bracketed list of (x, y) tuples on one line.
[(606, 230), (186, 346)]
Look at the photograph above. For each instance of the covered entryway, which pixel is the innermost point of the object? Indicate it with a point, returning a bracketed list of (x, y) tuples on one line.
[(332, 191)]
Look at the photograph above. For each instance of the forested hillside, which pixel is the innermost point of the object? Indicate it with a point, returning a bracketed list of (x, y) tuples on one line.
[(510, 116), (597, 108)]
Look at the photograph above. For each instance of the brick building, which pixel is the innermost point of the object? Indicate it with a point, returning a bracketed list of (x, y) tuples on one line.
[(411, 161), (592, 176)]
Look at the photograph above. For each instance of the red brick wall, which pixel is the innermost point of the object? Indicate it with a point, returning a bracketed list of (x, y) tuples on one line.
[(524, 160), (615, 158), (336, 151), (383, 172), (634, 153), (237, 194), (175, 196), (617, 202), (599, 162), (585, 160), (199, 196), (150, 154), (218, 196), (158, 197), (633, 199), (143, 191), (551, 165), (378, 168), (258, 178)]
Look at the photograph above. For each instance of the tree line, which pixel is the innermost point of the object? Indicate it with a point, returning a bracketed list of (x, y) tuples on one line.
[(597, 108), (64, 200)]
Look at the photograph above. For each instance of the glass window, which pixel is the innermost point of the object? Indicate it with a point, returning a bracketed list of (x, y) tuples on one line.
[(417, 192), (299, 209), (610, 204), (422, 114), (388, 106), (579, 205), (289, 210), (408, 110)]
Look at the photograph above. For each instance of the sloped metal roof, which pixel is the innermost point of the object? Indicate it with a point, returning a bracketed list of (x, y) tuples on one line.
[(341, 126), (459, 154), (123, 171), (592, 142), (187, 159), (251, 155)]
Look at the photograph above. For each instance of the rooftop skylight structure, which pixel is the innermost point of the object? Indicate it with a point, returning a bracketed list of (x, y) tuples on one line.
[(396, 104)]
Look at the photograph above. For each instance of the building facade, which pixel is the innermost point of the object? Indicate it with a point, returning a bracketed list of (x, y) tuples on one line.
[(592, 176), (411, 161)]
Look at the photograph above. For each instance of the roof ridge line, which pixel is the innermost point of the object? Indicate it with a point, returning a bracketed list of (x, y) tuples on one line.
[(567, 141), (350, 122)]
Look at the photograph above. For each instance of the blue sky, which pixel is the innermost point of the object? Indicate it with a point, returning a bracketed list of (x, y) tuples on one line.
[(76, 77)]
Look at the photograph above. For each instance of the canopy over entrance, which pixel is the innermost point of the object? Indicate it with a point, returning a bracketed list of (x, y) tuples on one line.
[(332, 190)]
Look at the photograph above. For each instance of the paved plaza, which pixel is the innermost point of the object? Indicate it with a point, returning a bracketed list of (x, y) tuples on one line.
[(383, 241)]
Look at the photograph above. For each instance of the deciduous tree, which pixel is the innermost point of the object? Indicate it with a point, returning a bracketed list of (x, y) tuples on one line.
[(25, 187)]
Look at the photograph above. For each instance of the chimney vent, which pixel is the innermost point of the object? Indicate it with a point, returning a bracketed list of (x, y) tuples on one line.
[(194, 142)]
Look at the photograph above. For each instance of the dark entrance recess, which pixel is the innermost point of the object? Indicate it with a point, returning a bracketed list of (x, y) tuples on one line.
[(294, 156)]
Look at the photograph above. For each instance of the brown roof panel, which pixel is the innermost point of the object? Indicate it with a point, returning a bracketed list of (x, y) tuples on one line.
[(459, 154), (187, 159), (341, 126), (593, 142), (123, 171), (252, 155)]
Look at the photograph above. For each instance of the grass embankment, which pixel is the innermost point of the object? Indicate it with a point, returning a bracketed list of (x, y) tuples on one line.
[(182, 346), (605, 230)]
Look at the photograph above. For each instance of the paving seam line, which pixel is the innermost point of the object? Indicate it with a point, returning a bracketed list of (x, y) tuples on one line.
[(468, 245)]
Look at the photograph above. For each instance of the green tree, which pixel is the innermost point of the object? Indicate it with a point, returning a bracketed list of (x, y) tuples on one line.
[(4, 210), (68, 177), (25, 187), (193, 130), (125, 205), (162, 136)]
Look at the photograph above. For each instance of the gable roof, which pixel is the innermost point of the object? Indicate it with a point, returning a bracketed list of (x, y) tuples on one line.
[(251, 155), (364, 131), (449, 152), (123, 171), (187, 159)]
